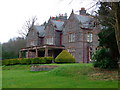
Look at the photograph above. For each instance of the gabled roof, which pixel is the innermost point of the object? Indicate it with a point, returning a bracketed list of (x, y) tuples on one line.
[(86, 21), (83, 18), (40, 30), (58, 24)]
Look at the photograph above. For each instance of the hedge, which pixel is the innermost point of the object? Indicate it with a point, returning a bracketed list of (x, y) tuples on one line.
[(39, 60), (65, 57)]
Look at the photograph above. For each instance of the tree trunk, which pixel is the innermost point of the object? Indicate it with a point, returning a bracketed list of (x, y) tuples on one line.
[(116, 8)]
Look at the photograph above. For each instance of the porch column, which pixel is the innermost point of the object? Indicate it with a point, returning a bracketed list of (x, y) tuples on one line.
[(46, 52), (20, 54), (36, 53), (28, 52), (53, 53)]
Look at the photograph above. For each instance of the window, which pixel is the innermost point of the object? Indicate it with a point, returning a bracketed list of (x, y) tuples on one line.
[(71, 50), (72, 37), (49, 41), (89, 37), (32, 43), (33, 33)]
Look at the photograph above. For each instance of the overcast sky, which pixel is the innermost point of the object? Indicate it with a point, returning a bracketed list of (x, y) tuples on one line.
[(14, 13)]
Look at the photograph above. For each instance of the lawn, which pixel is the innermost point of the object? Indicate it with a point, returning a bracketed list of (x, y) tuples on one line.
[(64, 76)]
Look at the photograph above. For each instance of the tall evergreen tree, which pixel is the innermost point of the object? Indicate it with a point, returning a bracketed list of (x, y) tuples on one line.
[(107, 56), (107, 34)]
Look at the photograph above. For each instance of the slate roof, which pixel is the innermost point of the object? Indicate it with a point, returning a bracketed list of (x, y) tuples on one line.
[(40, 30), (58, 24), (86, 21)]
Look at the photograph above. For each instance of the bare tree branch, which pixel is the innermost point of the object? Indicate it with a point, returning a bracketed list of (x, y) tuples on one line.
[(28, 24)]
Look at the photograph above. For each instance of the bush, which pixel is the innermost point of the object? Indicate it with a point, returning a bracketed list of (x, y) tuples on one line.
[(102, 59), (10, 62), (24, 61), (42, 60), (48, 59), (13, 61), (38, 60), (64, 57), (5, 62)]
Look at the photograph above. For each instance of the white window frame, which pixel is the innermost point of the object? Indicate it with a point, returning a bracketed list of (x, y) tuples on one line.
[(90, 37), (71, 37), (49, 41), (32, 43)]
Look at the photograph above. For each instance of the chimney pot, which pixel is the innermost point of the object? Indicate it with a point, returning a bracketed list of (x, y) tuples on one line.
[(82, 8), (82, 11)]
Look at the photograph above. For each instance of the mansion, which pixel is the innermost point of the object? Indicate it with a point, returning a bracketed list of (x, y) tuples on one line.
[(77, 34)]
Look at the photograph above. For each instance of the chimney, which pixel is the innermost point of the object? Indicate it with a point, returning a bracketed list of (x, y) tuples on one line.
[(82, 11)]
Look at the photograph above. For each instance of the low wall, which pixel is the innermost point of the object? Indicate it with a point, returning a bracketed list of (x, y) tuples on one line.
[(42, 67)]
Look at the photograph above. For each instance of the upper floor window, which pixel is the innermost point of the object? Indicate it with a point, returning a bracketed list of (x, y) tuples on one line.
[(32, 43), (49, 41), (89, 37), (33, 33), (71, 37)]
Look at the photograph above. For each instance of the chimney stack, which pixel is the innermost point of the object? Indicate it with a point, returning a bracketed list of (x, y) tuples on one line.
[(82, 11)]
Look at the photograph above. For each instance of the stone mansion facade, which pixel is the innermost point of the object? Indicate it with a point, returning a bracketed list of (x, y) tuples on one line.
[(76, 34)]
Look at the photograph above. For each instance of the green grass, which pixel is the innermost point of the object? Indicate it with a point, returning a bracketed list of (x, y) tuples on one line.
[(64, 76)]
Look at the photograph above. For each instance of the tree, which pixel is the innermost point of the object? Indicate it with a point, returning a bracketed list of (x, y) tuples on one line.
[(12, 47), (115, 6), (111, 17), (0, 51), (107, 39), (26, 27)]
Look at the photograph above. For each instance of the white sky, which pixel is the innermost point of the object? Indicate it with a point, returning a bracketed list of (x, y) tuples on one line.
[(14, 13)]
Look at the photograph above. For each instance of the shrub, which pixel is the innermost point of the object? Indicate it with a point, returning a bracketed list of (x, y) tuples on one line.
[(34, 60), (5, 62), (38, 60), (25, 61), (10, 62), (102, 59), (13, 61), (48, 59), (41, 60), (64, 57)]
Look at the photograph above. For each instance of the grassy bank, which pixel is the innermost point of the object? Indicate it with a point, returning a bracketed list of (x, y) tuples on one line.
[(64, 76)]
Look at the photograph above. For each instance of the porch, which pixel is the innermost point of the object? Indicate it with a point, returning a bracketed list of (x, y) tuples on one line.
[(41, 51)]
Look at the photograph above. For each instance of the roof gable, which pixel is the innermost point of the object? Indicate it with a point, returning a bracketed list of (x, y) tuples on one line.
[(40, 30), (86, 21), (57, 24), (83, 18)]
